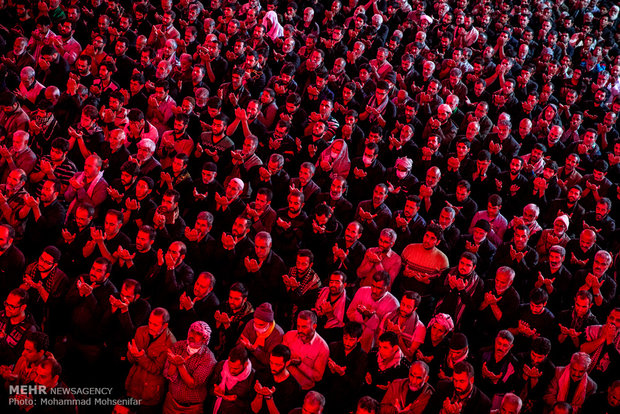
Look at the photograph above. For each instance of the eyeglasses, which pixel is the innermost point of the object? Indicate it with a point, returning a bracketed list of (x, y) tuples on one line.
[(11, 306)]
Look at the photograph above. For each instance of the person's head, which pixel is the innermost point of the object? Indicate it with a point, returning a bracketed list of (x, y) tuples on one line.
[(15, 303), (521, 236), (337, 281), (440, 326), (304, 261), (538, 300), (578, 368), (113, 223), (603, 207), (170, 201), (467, 263), (237, 296), (463, 378), (432, 237), (306, 325), (503, 344), (295, 201), (409, 303), (198, 335), (503, 279), (36, 345), (353, 232), (587, 239), (380, 285), (158, 322), (15, 181), (205, 282), (100, 270), (387, 345), (602, 263), (314, 402), (511, 404), (278, 359), (48, 373), (583, 303), (130, 290)]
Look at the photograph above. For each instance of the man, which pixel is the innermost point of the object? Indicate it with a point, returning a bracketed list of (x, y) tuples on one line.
[(309, 352), (199, 303), (19, 155), (278, 389), (48, 376), (422, 264), (87, 186), (87, 301), (408, 223), (500, 304), (287, 230), (537, 371), (511, 404), (169, 277), (602, 343), (12, 200), (12, 116), (231, 318), (411, 394), (602, 286), (46, 285), (47, 217), (406, 323), (331, 306), (498, 371), (460, 394), (517, 255), (370, 305), (15, 322), (379, 259), (188, 368), (106, 241), (460, 292), (348, 252), (534, 320), (260, 335), (346, 368), (147, 352), (313, 403), (571, 383), (386, 363)]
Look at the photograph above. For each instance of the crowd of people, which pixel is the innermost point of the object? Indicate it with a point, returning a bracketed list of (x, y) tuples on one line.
[(391, 206)]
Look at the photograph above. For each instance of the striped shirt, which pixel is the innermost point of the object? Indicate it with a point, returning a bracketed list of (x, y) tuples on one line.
[(64, 172)]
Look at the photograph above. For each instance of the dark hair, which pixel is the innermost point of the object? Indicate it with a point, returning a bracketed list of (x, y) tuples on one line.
[(410, 294), (40, 340), (390, 337), (464, 366), (239, 287), (238, 353), (281, 351), (353, 329)]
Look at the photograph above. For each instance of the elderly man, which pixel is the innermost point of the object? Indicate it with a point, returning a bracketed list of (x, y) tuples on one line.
[(87, 186), (18, 156), (189, 366), (29, 88), (571, 383), (12, 200), (409, 395), (380, 258)]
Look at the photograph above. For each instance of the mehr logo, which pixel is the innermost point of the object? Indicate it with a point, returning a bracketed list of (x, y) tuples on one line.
[(27, 389)]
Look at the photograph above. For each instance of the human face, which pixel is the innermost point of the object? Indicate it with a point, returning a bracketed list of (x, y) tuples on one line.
[(45, 263), (379, 195), (462, 382), (82, 218), (262, 247), (429, 241), (411, 208), (294, 204), (196, 340), (407, 307), (352, 233), (386, 350), (582, 306), (600, 265), (445, 219), (276, 365), (586, 240), (537, 308), (143, 242), (305, 329), (432, 177), (305, 175), (555, 260), (261, 202), (479, 235), (336, 285), (30, 352), (45, 378), (127, 293), (98, 273), (601, 211), (438, 333), (156, 325), (573, 195), (417, 377), (502, 282), (48, 192), (168, 204), (466, 266), (336, 189), (142, 190), (202, 226), (378, 289), (91, 167), (13, 306), (577, 371), (303, 263), (235, 300)]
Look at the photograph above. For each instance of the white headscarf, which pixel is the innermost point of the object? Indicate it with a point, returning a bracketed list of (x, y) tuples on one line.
[(271, 22)]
